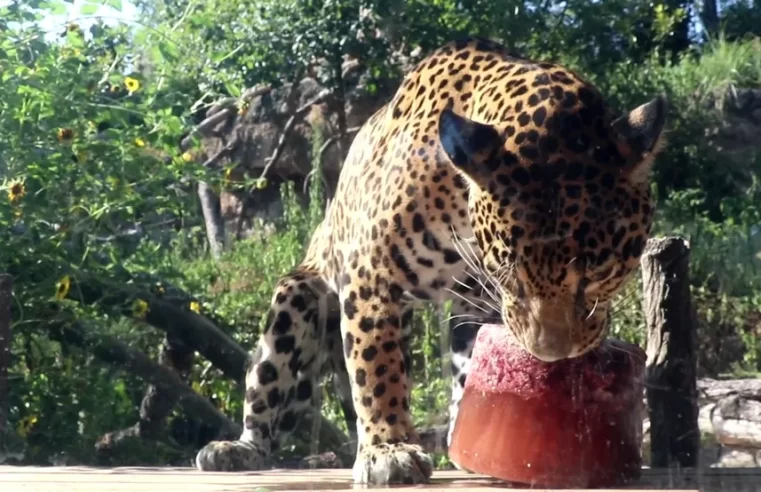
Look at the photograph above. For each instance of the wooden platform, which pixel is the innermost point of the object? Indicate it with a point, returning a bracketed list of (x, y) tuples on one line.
[(76, 479)]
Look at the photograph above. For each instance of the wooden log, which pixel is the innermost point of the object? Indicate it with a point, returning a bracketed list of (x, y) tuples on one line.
[(197, 332), (114, 352), (157, 403), (169, 382), (6, 299), (737, 422), (713, 390), (671, 386)]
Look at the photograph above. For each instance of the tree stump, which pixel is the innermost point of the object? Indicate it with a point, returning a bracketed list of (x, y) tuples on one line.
[(671, 385)]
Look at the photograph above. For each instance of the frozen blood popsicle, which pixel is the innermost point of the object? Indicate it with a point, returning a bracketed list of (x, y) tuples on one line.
[(571, 423)]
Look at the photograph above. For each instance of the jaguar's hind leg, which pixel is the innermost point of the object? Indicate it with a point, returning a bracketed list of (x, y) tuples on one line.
[(281, 378)]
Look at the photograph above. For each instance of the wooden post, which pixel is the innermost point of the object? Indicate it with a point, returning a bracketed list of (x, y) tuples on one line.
[(6, 296), (671, 384)]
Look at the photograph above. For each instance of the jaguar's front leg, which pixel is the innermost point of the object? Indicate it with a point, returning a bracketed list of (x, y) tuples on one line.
[(371, 326)]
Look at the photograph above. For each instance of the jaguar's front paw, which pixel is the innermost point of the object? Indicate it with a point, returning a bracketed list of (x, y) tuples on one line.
[(392, 464), (229, 456)]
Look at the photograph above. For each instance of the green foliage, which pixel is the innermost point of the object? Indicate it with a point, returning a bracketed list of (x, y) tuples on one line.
[(741, 19), (88, 158)]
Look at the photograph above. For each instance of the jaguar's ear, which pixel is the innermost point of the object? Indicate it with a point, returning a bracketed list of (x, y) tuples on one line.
[(469, 145), (640, 136)]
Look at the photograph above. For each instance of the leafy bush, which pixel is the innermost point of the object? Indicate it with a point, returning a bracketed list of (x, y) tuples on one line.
[(705, 196)]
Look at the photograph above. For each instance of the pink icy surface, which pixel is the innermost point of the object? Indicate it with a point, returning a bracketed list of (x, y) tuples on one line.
[(605, 376)]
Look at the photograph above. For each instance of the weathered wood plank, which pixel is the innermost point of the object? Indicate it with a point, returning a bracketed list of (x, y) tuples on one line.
[(74, 479), (671, 363)]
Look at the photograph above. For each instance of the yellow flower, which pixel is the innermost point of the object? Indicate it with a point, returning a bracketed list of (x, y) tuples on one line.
[(139, 142), (139, 308), (62, 288), (25, 425), (195, 307), (131, 84), (187, 156), (64, 134), (226, 179), (16, 190)]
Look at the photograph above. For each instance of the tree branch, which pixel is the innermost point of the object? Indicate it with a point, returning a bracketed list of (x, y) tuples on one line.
[(272, 160), (114, 352), (196, 331), (331, 140), (215, 226), (219, 115), (157, 403)]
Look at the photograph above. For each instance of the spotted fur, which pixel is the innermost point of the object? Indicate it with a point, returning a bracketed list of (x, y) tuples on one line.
[(499, 182)]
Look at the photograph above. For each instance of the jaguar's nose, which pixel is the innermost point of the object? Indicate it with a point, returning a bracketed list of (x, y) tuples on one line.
[(550, 329)]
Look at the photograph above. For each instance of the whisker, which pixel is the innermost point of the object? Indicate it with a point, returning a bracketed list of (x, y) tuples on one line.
[(458, 281), (625, 303), (490, 284), (593, 309), (468, 300), (498, 281), (621, 349), (471, 264), (469, 260), (477, 323), (484, 288), (468, 287), (466, 258), (496, 285), (455, 316), (625, 300)]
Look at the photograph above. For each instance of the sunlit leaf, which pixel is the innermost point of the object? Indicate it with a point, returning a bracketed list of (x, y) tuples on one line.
[(55, 7), (115, 4), (168, 51)]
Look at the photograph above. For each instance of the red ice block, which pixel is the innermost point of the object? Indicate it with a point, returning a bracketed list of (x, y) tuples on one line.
[(572, 423)]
